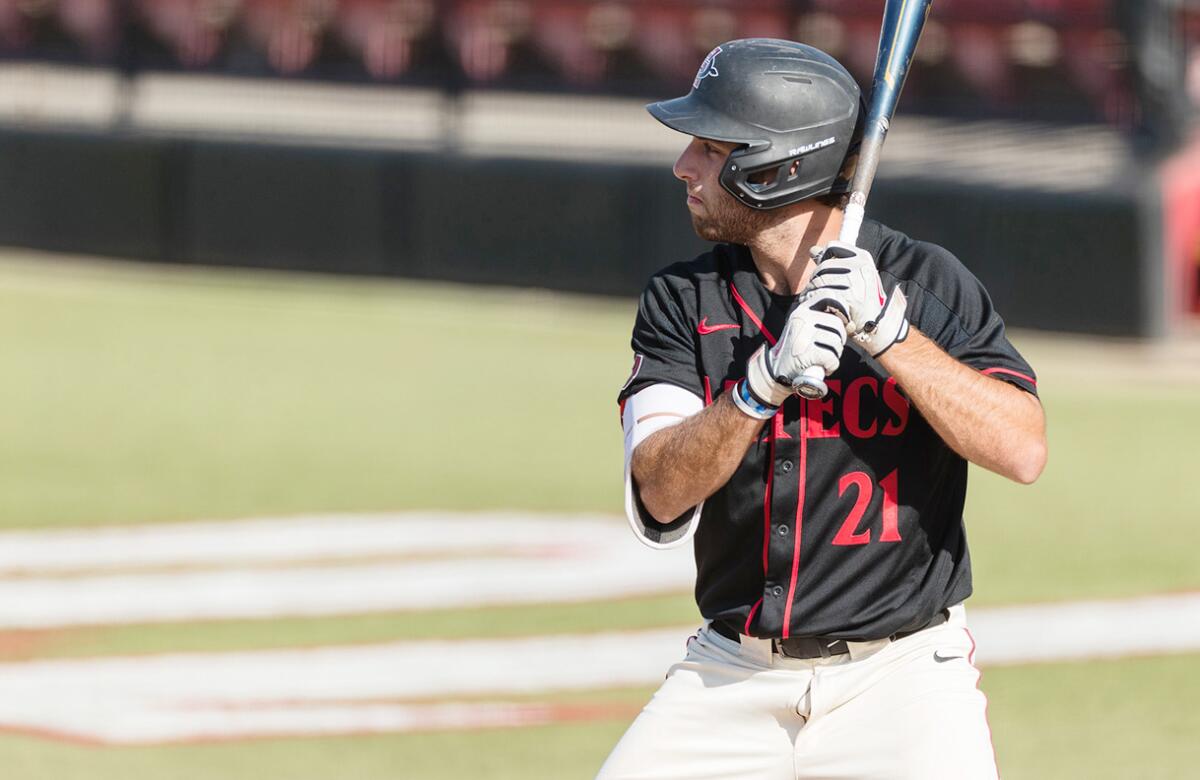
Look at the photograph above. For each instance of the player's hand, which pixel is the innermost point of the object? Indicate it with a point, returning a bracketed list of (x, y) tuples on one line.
[(812, 337), (846, 280)]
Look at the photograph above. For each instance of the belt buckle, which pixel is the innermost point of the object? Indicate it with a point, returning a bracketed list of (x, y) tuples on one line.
[(824, 648), (827, 648), (780, 648)]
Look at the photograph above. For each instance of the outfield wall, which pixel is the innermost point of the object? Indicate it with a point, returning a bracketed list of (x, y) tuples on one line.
[(1083, 261)]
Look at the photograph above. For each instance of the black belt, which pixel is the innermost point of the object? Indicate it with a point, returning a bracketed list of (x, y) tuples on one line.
[(819, 646)]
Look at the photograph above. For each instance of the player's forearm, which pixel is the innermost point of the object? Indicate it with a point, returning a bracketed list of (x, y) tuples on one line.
[(989, 422), (678, 467)]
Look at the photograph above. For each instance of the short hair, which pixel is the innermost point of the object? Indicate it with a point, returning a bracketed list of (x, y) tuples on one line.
[(834, 200)]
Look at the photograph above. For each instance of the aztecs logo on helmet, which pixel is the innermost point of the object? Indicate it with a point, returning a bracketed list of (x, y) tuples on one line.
[(707, 68)]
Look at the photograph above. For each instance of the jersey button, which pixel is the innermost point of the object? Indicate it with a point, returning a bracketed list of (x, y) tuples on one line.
[(786, 466)]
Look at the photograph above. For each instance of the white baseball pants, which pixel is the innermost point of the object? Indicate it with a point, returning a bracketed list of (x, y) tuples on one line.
[(909, 708)]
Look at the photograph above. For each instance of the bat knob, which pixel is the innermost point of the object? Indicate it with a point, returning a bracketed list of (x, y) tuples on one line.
[(811, 384)]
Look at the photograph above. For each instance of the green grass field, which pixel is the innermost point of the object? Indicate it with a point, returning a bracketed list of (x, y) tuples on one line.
[(138, 395)]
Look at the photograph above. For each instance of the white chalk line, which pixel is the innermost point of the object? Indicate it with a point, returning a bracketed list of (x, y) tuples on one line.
[(284, 539), (382, 688), (525, 561), (338, 690)]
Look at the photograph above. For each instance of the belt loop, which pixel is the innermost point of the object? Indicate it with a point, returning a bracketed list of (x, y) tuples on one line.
[(757, 650)]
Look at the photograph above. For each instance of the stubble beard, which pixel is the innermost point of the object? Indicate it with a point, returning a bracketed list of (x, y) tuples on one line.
[(728, 221)]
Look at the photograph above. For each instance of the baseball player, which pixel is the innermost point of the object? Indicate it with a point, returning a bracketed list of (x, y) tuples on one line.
[(830, 550)]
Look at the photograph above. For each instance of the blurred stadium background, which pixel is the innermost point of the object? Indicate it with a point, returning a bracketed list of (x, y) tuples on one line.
[(244, 239)]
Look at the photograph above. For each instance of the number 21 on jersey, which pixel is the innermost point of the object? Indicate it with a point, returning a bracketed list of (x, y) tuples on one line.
[(848, 534)]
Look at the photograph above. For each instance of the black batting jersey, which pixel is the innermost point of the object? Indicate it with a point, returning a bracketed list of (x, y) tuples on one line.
[(845, 518)]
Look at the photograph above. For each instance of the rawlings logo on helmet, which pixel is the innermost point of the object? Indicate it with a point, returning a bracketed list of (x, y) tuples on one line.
[(707, 68), (813, 146)]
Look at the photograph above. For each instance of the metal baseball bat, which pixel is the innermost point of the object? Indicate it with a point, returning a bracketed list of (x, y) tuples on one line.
[(903, 21)]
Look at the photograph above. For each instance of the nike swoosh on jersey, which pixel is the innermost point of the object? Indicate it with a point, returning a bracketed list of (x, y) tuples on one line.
[(703, 328), (941, 659)]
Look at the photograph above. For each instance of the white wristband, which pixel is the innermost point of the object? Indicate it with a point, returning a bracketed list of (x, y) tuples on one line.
[(746, 403)]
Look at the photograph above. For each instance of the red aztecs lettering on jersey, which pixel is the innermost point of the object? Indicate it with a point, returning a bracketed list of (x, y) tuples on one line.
[(863, 392), (899, 406), (777, 426), (885, 408), (852, 403), (819, 412)]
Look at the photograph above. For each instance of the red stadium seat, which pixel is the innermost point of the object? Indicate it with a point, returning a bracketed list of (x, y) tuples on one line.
[(12, 32), (979, 55), (492, 38), (560, 32), (194, 37), (385, 35), (289, 32), (91, 22), (662, 39)]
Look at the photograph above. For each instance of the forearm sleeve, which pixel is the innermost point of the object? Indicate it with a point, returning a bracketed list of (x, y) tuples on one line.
[(650, 410)]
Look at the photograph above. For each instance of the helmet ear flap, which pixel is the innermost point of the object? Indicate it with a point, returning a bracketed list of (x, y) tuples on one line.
[(767, 179), (761, 181), (778, 175)]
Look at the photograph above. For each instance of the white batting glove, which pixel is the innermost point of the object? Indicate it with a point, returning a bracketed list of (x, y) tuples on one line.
[(812, 337), (846, 279)]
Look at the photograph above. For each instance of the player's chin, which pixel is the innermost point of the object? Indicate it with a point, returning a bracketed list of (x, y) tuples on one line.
[(708, 229)]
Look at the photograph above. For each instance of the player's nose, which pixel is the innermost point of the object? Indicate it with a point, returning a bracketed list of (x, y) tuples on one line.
[(685, 167)]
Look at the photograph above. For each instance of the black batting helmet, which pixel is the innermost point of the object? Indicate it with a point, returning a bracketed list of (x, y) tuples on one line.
[(782, 102)]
